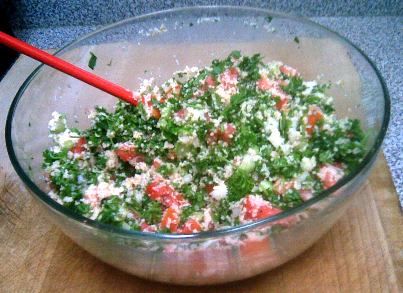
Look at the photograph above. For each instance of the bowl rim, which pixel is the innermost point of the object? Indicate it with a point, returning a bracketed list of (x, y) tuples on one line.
[(366, 162)]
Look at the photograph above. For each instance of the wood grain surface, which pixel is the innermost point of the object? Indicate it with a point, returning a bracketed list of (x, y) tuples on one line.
[(363, 252)]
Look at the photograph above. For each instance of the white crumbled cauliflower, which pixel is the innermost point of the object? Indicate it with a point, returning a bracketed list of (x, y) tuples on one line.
[(95, 193), (219, 191), (228, 170), (112, 160), (66, 139), (92, 114), (187, 178), (294, 136), (196, 114), (249, 160), (271, 127), (308, 164), (275, 138), (58, 123), (168, 145), (186, 74), (225, 94), (137, 134), (310, 85), (190, 139)]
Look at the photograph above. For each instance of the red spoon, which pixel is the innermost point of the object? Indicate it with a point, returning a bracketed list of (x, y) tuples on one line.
[(68, 68)]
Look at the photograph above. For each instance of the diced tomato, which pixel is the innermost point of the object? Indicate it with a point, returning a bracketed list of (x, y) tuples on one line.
[(225, 135), (281, 187), (330, 174), (209, 82), (265, 84), (212, 137), (156, 163), (281, 97), (79, 147), (274, 88), (128, 153), (233, 73), (283, 82), (281, 103), (209, 188), (146, 100), (182, 113), (257, 208), (288, 70), (253, 247), (159, 189), (191, 226), (155, 113), (306, 194), (173, 199), (228, 132), (171, 91), (176, 89), (147, 228), (164, 193), (170, 220), (314, 116), (172, 155), (229, 78)]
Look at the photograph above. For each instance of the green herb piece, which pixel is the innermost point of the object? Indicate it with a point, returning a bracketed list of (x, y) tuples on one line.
[(296, 39), (286, 201), (235, 54), (268, 19), (93, 61), (187, 212), (251, 66), (110, 211), (286, 166), (285, 125), (295, 86), (152, 212), (239, 184), (197, 199), (221, 212)]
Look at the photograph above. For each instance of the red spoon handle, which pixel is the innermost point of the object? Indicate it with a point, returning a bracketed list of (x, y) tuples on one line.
[(70, 69)]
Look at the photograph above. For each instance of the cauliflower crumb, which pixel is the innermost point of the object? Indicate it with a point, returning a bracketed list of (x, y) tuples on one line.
[(219, 191), (112, 161), (308, 164)]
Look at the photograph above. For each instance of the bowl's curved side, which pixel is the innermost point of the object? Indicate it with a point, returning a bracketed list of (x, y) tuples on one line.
[(211, 257), (210, 261)]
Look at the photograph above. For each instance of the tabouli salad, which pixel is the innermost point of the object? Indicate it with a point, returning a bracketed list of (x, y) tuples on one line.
[(234, 142)]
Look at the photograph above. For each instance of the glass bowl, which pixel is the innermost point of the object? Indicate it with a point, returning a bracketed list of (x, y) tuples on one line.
[(155, 45)]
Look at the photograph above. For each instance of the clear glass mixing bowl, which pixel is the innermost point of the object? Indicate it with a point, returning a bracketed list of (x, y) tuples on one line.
[(155, 45)]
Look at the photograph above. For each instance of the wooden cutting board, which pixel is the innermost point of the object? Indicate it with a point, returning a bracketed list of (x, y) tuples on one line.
[(363, 252)]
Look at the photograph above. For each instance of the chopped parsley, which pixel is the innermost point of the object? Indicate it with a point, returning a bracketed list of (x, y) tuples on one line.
[(268, 19), (93, 61)]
